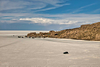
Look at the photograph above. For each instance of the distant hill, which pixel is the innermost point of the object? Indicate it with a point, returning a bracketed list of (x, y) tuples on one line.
[(85, 32)]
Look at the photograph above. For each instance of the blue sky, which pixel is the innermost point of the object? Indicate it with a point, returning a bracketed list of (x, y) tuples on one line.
[(47, 14)]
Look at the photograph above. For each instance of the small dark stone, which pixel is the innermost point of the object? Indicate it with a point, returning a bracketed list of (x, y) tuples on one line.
[(29, 37), (25, 36), (66, 52), (19, 36), (32, 37)]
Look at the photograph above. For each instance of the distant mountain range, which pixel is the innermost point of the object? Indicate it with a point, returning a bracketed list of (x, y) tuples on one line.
[(85, 32)]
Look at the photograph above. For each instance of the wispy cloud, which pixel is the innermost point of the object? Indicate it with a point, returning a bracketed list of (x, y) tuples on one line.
[(96, 11), (9, 4), (56, 6), (80, 9), (24, 10), (62, 21), (34, 5), (47, 18)]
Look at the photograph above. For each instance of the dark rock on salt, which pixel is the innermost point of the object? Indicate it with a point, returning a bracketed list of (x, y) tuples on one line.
[(25, 36), (66, 52), (19, 36), (32, 37)]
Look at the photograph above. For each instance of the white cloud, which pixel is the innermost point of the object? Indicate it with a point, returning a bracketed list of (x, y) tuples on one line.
[(47, 21), (67, 19), (62, 19)]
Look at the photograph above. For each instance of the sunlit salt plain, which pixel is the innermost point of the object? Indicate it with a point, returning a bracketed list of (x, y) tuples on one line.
[(46, 52)]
